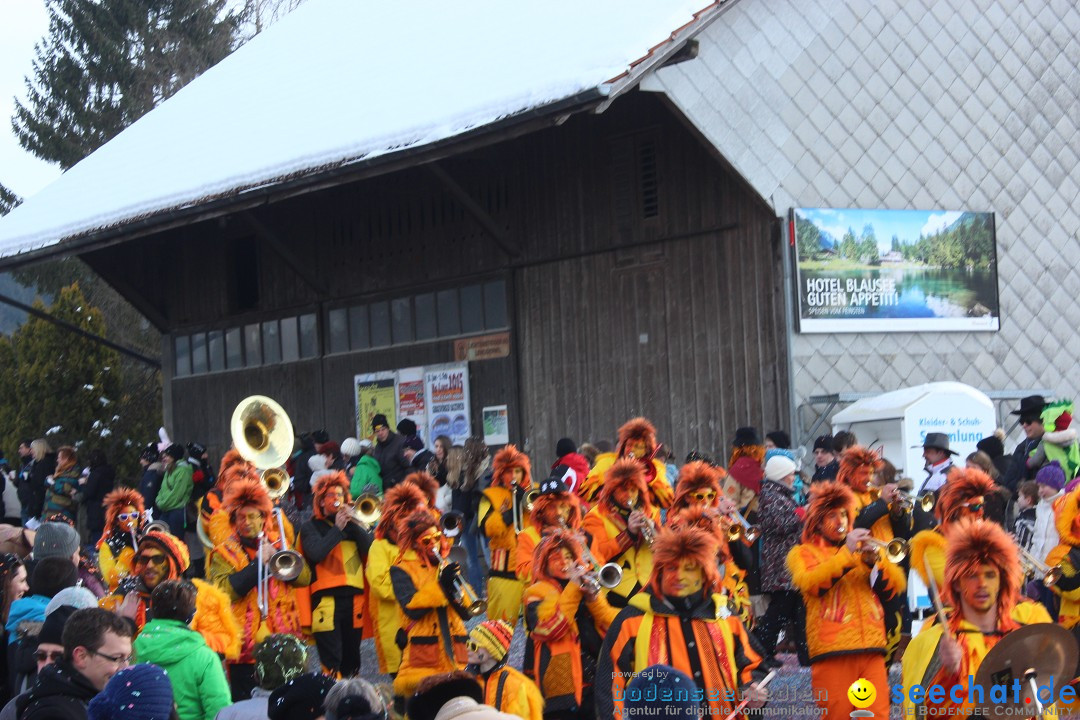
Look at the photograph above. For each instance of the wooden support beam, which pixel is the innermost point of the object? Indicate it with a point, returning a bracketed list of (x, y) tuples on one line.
[(283, 251), (473, 208)]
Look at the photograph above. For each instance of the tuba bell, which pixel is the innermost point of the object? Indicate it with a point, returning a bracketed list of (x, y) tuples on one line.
[(262, 432), (276, 482), (367, 509)]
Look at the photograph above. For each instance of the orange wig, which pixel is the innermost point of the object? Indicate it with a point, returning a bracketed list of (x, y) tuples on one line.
[(854, 458), (247, 493), (551, 545), (427, 484), (824, 498), (502, 468), (675, 546), (695, 477), (634, 430), (416, 524), (962, 486), (399, 502), (114, 502), (231, 459), (545, 510), (707, 519), (625, 473), (323, 486), (972, 543)]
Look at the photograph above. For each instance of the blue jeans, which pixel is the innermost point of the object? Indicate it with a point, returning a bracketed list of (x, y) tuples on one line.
[(476, 565)]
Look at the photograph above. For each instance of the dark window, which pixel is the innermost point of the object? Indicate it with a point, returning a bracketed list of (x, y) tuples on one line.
[(358, 328), (216, 345), (426, 327), (380, 324), (495, 304), (242, 273), (309, 336), (290, 342), (198, 353), (449, 319), (339, 330), (271, 342), (253, 344), (182, 348), (472, 309), (401, 320), (234, 349)]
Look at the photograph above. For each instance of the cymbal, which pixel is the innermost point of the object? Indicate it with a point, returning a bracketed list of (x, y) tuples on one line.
[(1045, 648)]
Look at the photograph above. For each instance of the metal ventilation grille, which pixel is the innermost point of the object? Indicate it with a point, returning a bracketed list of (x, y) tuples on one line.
[(648, 180)]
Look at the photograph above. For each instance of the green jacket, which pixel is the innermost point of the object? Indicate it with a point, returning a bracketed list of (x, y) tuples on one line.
[(198, 678), (176, 487), (367, 472)]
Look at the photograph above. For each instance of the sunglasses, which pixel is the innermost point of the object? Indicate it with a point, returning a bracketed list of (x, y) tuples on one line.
[(704, 496), (128, 516), (472, 647), (1028, 421), (155, 560), (49, 656), (973, 507)]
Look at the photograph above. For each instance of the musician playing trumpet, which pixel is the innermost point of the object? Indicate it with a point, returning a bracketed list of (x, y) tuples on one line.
[(500, 514), (567, 617), (235, 567), (556, 508), (335, 546), (123, 523), (620, 524)]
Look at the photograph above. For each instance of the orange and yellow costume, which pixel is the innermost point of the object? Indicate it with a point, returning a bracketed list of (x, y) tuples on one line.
[(504, 587), (634, 431)]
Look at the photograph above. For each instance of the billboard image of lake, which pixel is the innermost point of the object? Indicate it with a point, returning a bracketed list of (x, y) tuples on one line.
[(895, 270)]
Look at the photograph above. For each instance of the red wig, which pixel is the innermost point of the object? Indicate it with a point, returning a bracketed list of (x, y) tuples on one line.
[(231, 459), (416, 524), (695, 477), (972, 543), (502, 468), (114, 502), (427, 484), (625, 473), (551, 545), (323, 486), (674, 546), (824, 498), (634, 430), (854, 458), (247, 493), (400, 501), (962, 486), (707, 519), (545, 510)]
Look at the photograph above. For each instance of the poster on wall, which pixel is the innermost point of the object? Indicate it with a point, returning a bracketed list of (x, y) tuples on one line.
[(496, 425), (895, 270), (375, 393), (446, 388), (410, 399)]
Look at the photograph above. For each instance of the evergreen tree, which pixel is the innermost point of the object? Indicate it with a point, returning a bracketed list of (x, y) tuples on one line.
[(8, 200), (105, 63)]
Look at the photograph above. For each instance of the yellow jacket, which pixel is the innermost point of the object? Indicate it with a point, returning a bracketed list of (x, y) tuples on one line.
[(501, 537), (382, 605), (843, 613), (508, 690), (114, 568), (612, 543), (660, 489)]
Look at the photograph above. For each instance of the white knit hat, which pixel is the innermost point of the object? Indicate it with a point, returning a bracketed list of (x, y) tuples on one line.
[(779, 467), (350, 446)]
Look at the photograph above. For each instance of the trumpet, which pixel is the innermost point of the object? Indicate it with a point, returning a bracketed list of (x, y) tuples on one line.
[(1032, 566), (588, 580), (741, 529), (895, 550), (609, 575), (367, 509), (285, 565), (523, 503), (906, 499), (466, 596), (451, 523)]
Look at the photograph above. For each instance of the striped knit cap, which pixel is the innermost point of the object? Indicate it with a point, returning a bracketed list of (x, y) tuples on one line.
[(494, 636)]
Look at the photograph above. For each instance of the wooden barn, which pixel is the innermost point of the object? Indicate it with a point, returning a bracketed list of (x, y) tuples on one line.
[(602, 257)]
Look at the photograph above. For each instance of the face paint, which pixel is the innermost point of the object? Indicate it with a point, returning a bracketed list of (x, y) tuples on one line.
[(128, 518), (626, 497), (980, 590), (559, 564), (249, 522), (835, 526), (687, 578), (519, 475), (637, 449), (862, 477), (702, 497)]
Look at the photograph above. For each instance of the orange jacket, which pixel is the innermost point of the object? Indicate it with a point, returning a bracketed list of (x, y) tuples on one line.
[(612, 542)]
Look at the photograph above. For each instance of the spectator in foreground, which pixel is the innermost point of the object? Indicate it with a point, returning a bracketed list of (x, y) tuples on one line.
[(278, 659), (354, 699), (301, 698), (140, 692)]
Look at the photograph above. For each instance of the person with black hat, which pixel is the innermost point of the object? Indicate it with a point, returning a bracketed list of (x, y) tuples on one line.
[(202, 475), (1030, 413), (939, 465), (152, 472), (176, 488), (389, 451), (826, 466), (302, 698)]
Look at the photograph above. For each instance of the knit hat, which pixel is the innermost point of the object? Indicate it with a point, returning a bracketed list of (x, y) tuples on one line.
[(140, 692), (992, 446), (559, 481), (661, 686), (407, 427), (414, 443), (150, 453), (494, 636), (350, 446), (746, 436), (52, 575), (782, 452), (55, 540), (52, 630), (176, 451), (301, 698), (1051, 475), (824, 442), (565, 446), (779, 438), (174, 548), (196, 450), (76, 597), (779, 467), (278, 659), (316, 463), (379, 421)]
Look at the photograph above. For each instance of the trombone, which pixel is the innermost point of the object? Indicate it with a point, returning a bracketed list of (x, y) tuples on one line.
[(1032, 566), (609, 575), (741, 529), (895, 550), (523, 503), (285, 565), (466, 596)]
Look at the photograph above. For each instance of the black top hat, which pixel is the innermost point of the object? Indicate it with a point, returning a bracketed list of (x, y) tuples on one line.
[(938, 441), (1031, 405), (562, 476)]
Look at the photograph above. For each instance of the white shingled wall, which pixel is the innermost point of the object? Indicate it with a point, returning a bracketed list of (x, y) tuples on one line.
[(950, 104)]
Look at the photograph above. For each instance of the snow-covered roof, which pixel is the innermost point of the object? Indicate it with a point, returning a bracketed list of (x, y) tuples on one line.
[(894, 404), (341, 82)]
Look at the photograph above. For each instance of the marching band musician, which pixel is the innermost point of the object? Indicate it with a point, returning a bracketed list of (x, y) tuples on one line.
[(961, 498), (567, 617), (619, 525), (556, 508), (510, 481), (680, 620), (162, 557), (234, 569), (1066, 555), (637, 441), (431, 610), (124, 510), (505, 688), (399, 502), (335, 546), (841, 581), (213, 518), (982, 585)]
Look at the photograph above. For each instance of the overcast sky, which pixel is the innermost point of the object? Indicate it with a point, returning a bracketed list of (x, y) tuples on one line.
[(22, 23)]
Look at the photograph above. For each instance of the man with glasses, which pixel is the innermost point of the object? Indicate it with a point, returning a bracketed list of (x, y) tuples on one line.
[(1030, 412), (962, 498), (97, 645)]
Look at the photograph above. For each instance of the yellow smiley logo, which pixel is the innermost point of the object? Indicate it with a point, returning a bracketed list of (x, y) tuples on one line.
[(862, 693)]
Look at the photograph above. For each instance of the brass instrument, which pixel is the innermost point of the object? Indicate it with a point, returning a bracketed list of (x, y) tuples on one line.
[(608, 575), (741, 529), (1033, 566), (276, 482), (589, 581), (262, 432), (451, 523), (523, 503), (895, 550), (285, 565), (367, 509), (155, 526), (907, 500), (466, 596)]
